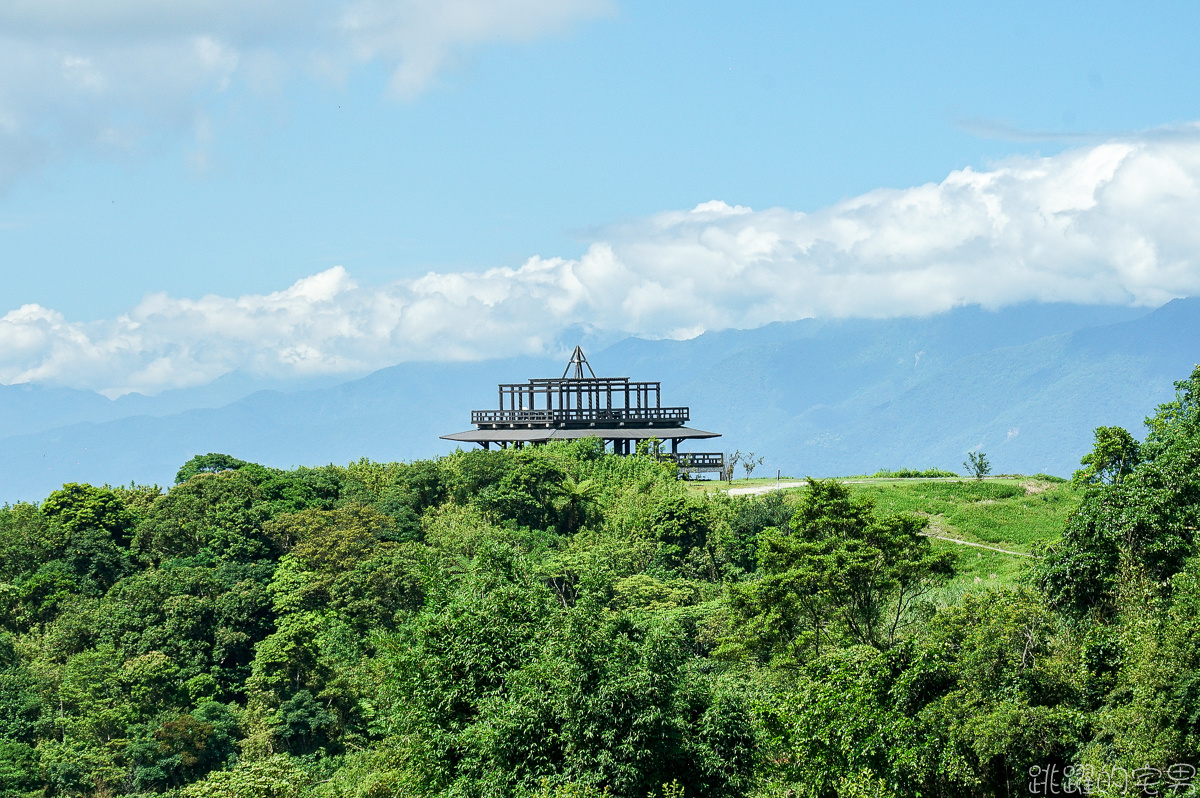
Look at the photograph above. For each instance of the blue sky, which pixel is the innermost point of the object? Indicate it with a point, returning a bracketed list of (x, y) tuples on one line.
[(229, 150)]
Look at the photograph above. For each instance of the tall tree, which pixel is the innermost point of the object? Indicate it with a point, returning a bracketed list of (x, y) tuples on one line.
[(1113, 457), (839, 573)]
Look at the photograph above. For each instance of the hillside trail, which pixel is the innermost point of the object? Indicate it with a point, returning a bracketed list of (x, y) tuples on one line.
[(976, 545), (758, 490), (762, 489)]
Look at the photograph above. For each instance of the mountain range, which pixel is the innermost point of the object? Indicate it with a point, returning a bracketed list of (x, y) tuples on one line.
[(1024, 384)]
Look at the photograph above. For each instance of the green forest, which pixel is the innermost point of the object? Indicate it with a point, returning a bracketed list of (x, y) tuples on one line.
[(558, 621)]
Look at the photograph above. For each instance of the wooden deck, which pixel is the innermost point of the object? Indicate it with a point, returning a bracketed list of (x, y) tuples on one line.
[(620, 411)]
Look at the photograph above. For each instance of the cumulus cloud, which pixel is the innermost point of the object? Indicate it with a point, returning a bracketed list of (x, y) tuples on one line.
[(116, 75), (1111, 223)]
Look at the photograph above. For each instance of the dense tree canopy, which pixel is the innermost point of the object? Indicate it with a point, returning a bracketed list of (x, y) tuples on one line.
[(559, 621)]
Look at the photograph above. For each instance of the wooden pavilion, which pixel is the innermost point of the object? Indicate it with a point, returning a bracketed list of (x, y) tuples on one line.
[(619, 411)]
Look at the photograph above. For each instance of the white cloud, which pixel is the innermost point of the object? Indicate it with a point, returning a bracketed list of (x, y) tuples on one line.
[(1112, 223), (115, 75), (421, 36)]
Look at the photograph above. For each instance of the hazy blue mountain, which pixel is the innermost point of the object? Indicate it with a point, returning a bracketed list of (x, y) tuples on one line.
[(218, 393), (29, 408), (1026, 384), (921, 395), (395, 413)]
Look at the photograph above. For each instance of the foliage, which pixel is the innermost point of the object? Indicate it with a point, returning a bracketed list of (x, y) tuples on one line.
[(912, 473), (1176, 420), (80, 507), (747, 519), (277, 777), (977, 465), (210, 463), (1141, 528), (558, 621), (1113, 458), (839, 574)]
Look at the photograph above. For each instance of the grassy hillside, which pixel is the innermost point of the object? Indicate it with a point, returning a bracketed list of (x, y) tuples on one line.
[(1014, 514), (1010, 514)]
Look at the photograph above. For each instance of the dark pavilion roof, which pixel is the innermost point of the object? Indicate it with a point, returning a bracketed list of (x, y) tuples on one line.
[(578, 406)]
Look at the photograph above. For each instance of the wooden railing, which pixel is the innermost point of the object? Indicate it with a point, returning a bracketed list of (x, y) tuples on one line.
[(697, 461), (670, 415)]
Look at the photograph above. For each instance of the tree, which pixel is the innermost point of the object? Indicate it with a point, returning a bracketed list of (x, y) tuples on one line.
[(1179, 418), (220, 513), (1136, 533), (841, 573), (748, 517), (88, 531), (468, 473), (526, 493), (210, 463), (183, 748), (497, 689), (302, 723), (679, 525), (1113, 457), (304, 488), (1155, 722), (575, 502), (18, 769), (77, 507), (279, 776), (731, 463), (749, 463), (977, 465), (329, 541), (1140, 528)]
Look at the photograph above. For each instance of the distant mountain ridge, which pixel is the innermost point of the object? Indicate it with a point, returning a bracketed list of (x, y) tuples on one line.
[(28, 407), (1025, 384)]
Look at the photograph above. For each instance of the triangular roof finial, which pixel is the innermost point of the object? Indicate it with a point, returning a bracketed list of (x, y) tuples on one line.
[(578, 361)]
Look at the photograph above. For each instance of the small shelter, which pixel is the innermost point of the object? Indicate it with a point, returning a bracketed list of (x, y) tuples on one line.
[(619, 411)]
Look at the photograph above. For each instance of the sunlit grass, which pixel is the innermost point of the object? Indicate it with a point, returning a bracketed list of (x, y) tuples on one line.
[(976, 569), (1011, 513)]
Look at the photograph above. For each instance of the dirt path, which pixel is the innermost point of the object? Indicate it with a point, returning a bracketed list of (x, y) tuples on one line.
[(761, 489), (758, 490), (977, 545)]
